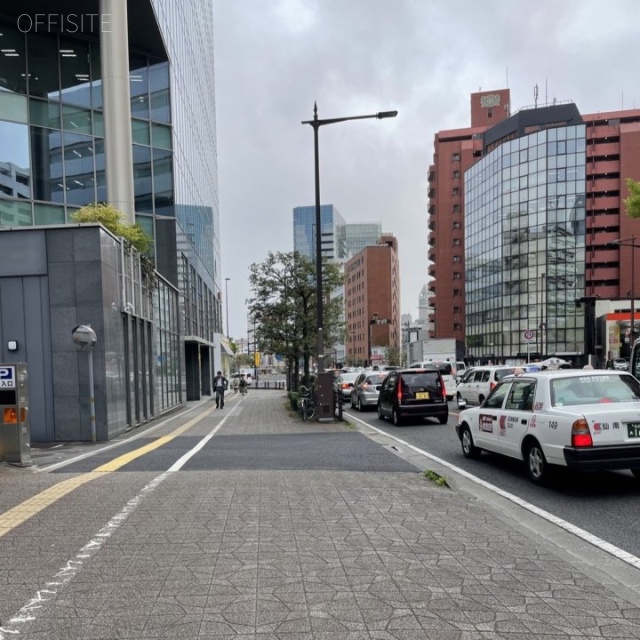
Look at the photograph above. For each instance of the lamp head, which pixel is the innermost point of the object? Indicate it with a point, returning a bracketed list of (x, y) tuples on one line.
[(386, 114)]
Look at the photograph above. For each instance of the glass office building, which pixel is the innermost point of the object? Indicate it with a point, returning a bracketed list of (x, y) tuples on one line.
[(304, 231), (52, 141), (525, 241), (355, 236), (340, 240)]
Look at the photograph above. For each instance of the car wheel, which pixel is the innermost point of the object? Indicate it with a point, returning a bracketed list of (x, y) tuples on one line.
[(636, 473), (360, 408), (537, 467), (380, 416), (469, 450), (461, 403), (443, 419), (395, 417)]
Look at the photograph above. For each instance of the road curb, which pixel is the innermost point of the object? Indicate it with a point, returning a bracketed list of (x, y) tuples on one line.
[(595, 562)]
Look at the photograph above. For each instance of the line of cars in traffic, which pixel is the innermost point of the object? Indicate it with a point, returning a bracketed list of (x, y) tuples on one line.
[(580, 419)]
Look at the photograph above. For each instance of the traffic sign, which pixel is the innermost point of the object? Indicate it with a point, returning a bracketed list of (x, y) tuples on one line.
[(7, 377), (529, 335)]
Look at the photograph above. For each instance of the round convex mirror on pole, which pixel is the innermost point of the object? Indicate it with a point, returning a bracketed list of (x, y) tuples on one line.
[(85, 337)]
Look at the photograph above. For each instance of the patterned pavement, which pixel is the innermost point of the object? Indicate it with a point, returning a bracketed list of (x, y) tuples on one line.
[(291, 554)]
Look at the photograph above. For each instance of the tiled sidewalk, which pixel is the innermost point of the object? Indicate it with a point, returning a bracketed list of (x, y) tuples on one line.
[(277, 554)]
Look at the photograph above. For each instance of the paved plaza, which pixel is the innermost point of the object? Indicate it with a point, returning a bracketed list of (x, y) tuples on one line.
[(278, 529)]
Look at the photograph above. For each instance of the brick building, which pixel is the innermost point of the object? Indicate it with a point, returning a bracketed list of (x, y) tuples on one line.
[(612, 143), (372, 301), (454, 152)]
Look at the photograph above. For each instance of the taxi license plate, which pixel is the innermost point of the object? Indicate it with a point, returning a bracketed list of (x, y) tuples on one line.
[(422, 395), (633, 429)]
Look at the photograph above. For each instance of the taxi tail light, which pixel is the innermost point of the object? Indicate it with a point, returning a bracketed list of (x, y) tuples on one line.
[(366, 387), (492, 386), (10, 416), (580, 434), (344, 385)]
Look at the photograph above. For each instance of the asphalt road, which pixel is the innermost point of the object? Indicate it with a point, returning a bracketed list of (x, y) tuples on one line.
[(605, 504)]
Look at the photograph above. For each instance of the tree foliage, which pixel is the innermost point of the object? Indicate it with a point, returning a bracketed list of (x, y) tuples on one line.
[(111, 218), (393, 355), (284, 306), (632, 203)]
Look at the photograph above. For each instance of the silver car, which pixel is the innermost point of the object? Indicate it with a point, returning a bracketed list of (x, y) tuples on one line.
[(343, 384), (366, 389)]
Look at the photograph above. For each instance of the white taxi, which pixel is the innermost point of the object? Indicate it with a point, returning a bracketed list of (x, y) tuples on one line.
[(571, 418)]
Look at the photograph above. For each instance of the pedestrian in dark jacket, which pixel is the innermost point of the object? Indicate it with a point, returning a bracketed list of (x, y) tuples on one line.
[(220, 384)]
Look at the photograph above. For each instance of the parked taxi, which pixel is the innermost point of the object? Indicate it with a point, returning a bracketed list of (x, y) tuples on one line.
[(580, 419)]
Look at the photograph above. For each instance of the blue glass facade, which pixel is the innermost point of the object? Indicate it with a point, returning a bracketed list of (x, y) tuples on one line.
[(52, 146), (355, 236), (304, 236), (52, 136), (525, 245)]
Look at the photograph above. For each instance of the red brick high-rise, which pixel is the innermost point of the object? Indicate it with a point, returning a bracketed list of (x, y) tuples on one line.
[(454, 152), (372, 300), (612, 156)]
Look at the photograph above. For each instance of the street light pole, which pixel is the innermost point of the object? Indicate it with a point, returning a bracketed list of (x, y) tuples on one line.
[(541, 326), (316, 124), (226, 300), (633, 293), (630, 242), (374, 320)]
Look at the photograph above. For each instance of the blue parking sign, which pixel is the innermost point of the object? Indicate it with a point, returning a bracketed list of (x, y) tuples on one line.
[(7, 377)]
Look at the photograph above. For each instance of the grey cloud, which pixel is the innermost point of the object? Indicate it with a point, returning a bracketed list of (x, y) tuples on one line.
[(422, 57)]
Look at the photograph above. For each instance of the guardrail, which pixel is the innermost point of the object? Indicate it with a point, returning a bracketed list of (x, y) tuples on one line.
[(269, 384)]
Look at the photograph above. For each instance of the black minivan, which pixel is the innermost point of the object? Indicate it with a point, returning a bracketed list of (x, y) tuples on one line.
[(413, 393)]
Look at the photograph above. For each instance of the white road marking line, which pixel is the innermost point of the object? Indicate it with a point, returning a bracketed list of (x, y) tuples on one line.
[(145, 433), (621, 554), (187, 456), (70, 570)]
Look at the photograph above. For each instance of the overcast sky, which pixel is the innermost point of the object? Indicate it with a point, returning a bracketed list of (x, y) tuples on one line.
[(424, 58)]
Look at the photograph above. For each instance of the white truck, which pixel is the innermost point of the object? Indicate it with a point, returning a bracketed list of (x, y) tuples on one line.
[(445, 353), (442, 349)]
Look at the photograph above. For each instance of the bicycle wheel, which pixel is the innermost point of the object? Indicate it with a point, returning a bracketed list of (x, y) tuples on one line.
[(310, 410), (303, 410)]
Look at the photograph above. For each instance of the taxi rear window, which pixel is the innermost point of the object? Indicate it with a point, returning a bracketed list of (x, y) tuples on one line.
[(501, 373), (595, 389)]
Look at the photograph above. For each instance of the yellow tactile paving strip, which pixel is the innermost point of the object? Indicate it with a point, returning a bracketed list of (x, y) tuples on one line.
[(19, 514)]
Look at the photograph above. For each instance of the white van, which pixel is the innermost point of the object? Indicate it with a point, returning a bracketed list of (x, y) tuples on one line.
[(447, 372)]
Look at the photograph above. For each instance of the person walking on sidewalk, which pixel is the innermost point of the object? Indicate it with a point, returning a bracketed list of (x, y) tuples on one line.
[(220, 384), (235, 383)]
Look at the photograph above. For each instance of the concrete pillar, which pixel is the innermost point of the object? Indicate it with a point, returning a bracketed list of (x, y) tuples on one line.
[(114, 61)]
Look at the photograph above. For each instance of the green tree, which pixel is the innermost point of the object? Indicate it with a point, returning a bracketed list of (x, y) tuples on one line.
[(133, 235), (632, 203), (393, 355), (284, 307), (111, 218)]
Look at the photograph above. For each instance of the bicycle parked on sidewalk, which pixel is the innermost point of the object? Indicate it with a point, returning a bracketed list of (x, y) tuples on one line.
[(307, 404)]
